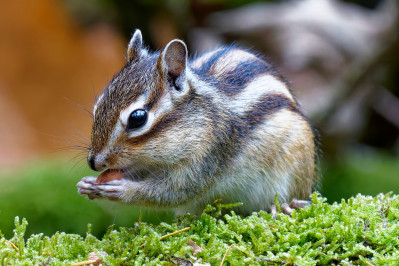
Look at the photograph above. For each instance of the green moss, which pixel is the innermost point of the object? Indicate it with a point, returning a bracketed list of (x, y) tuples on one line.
[(44, 192), (361, 230)]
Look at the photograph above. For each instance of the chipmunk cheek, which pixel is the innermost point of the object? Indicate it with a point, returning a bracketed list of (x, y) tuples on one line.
[(112, 160)]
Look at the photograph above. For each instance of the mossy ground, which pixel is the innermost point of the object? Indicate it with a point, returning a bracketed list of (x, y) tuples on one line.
[(362, 230)]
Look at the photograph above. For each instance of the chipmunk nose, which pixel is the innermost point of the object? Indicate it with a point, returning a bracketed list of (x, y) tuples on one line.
[(95, 164), (91, 162)]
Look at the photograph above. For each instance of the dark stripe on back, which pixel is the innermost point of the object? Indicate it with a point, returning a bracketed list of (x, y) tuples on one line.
[(234, 81), (206, 67), (236, 132), (266, 106)]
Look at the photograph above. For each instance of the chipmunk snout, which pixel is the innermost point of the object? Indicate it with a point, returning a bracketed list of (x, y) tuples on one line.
[(96, 163)]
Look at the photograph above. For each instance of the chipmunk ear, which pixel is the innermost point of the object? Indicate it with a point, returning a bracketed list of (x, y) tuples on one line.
[(135, 47), (174, 58)]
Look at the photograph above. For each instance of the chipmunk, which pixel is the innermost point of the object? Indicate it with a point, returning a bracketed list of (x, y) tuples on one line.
[(183, 132)]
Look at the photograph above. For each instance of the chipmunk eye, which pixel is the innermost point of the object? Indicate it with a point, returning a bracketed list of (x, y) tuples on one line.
[(137, 119)]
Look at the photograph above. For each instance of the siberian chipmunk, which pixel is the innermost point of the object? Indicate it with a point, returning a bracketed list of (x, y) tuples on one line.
[(183, 132)]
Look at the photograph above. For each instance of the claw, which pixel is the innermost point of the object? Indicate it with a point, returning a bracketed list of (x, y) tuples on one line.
[(273, 211), (286, 209), (83, 185), (89, 179), (93, 196), (295, 203)]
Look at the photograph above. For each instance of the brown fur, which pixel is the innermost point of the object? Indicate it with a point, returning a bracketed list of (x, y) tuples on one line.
[(208, 135)]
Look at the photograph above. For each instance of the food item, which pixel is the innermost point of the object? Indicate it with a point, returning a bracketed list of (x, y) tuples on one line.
[(109, 175)]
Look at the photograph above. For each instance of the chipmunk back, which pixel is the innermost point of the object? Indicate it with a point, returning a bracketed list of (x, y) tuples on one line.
[(185, 132)]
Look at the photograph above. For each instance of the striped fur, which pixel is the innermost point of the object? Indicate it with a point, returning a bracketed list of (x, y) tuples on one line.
[(221, 125)]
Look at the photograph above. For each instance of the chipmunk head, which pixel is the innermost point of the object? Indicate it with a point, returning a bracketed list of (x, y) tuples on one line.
[(144, 113)]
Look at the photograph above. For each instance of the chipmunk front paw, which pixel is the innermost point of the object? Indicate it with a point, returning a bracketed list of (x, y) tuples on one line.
[(112, 190)]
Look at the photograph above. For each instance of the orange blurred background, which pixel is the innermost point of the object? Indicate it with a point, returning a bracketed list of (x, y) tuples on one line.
[(48, 67)]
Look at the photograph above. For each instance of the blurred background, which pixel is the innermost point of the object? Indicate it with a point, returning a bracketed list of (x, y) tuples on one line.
[(340, 57)]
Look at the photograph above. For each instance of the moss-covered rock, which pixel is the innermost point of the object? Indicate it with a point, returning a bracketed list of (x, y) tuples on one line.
[(362, 230)]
